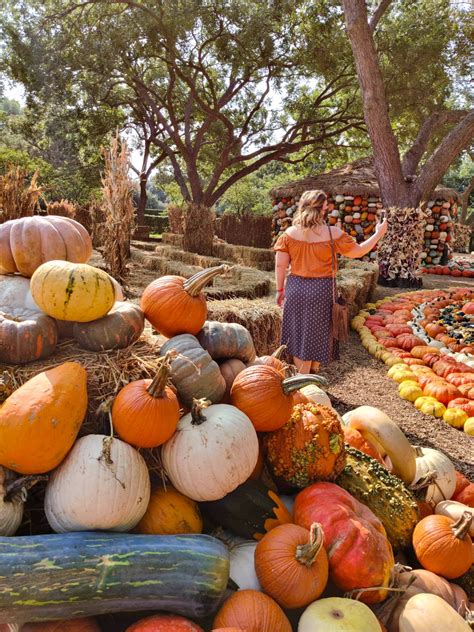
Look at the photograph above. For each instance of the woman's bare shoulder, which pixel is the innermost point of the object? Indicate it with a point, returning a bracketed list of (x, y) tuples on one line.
[(293, 231), (336, 232)]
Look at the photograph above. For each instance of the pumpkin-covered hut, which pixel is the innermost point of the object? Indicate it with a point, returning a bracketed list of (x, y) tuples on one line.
[(355, 202)]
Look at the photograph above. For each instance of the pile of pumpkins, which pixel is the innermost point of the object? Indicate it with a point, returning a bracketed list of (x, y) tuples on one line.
[(276, 514), (426, 340)]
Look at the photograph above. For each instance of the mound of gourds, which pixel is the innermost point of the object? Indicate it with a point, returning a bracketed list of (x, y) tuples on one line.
[(64, 298), (273, 513), (426, 338)]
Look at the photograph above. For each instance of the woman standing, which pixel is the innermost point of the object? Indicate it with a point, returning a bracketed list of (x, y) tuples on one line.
[(307, 294)]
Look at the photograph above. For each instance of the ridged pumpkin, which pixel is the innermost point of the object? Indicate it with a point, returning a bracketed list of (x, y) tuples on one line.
[(360, 555), (26, 335), (292, 564), (72, 291), (175, 305), (28, 242), (309, 447), (164, 623), (72, 625), (253, 611), (265, 396), (118, 329), (145, 412), (273, 360), (229, 370), (386, 495), (39, 422), (169, 513), (442, 391), (226, 340)]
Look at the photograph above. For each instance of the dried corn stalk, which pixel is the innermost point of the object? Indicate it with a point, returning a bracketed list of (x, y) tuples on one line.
[(18, 198), (119, 212), (400, 250), (63, 208)]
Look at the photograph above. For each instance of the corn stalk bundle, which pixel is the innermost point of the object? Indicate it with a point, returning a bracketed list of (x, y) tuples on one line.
[(63, 208), (18, 197)]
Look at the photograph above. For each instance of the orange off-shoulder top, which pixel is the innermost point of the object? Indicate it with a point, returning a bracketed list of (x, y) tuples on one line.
[(313, 259)]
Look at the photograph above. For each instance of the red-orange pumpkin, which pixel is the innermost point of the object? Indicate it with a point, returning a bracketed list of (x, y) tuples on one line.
[(408, 341), (466, 496), (253, 611), (441, 390), (464, 404), (164, 623), (353, 438), (458, 379), (468, 308), (175, 305), (360, 556), (422, 350), (461, 483), (434, 329), (292, 564), (72, 625), (444, 546), (145, 413)]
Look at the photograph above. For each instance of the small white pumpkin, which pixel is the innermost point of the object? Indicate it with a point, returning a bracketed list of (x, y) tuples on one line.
[(316, 395), (425, 612), (11, 511), (242, 565), (213, 451), (338, 614), (434, 463), (15, 292), (102, 484), (455, 510)]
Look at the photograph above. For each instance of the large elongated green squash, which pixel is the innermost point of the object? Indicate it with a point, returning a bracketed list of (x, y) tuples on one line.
[(83, 574), (386, 495)]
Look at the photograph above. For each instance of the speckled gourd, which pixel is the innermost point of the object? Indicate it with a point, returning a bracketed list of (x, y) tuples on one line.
[(385, 494)]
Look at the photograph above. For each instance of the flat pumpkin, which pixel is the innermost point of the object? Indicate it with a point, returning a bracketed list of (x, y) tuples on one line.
[(72, 291), (26, 335), (39, 422), (118, 329)]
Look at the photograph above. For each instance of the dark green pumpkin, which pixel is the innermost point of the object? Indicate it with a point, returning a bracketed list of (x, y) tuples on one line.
[(250, 511), (85, 574), (118, 329), (386, 495), (227, 340)]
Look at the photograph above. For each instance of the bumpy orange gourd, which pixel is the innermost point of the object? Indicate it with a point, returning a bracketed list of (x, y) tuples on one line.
[(266, 397), (292, 564), (309, 447), (39, 422), (252, 611), (444, 546), (169, 512), (175, 305), (145, 413), (360, 556), (72, 625)]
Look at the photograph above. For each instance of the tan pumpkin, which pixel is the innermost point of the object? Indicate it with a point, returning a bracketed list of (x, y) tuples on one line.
[(26, 335), (121, 327), (72, 291), (430, 613), (28, 242), (39, 422), (102, 484), (229, 370), (169, 513)]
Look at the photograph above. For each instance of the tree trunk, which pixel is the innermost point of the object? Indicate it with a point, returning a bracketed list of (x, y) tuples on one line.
[(198, 229), (142, 201), (465, 200)]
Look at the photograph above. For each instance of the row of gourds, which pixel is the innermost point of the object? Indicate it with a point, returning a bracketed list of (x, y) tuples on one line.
[(455, 268), (216, 414), (432, 361)]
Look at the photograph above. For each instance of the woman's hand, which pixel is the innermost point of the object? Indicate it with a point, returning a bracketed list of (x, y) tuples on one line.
[(381, 228), (280, 298)]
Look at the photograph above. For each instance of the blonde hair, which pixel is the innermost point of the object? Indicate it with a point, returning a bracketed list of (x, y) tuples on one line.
[(310, 209)]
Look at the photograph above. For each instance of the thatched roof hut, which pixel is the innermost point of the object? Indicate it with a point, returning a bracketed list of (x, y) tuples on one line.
[(356, 178)]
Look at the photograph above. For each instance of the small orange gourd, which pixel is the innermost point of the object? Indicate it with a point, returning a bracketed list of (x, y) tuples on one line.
[(169, 513), (444, 546), (252, 611), (145, 413), (292, 564)]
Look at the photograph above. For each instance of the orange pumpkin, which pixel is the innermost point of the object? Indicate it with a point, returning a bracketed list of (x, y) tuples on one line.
[(354, 438), (441, 390), (72, 625), (309, 447), (169, 513), (408, 341), (360, 556), (273, 360), (434, 329), (266, 397), (292, 564), (444, 546), (229, 370), (145, 413), (252, 611), (175, 305), (164, 623), (459, 379), (464, 404), (461, 483), (466, 496), (468, 308)]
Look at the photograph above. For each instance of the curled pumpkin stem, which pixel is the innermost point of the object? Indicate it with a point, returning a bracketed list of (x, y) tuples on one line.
[(307, 553), (195, 284), (462, 525)]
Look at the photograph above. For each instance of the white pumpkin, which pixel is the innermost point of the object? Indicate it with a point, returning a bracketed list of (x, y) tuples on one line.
[(242, 565), (425, 612), (435, 463), (213, 451), (102, 484), (337, 614), (11, 511), (15, 292), (453, 509), (316, 395)]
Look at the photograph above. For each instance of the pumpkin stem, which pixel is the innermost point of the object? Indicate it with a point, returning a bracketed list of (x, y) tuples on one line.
[(195, 284), (159, 382), (17, 490), (279, 352), (462, 525), (197, 418), (296, 382), (307, 553)]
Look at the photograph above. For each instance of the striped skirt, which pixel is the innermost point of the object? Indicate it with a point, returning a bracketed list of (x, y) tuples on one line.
[(307, 316)]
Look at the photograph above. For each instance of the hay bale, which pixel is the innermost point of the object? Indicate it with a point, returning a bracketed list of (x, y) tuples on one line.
[(260, 317)]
